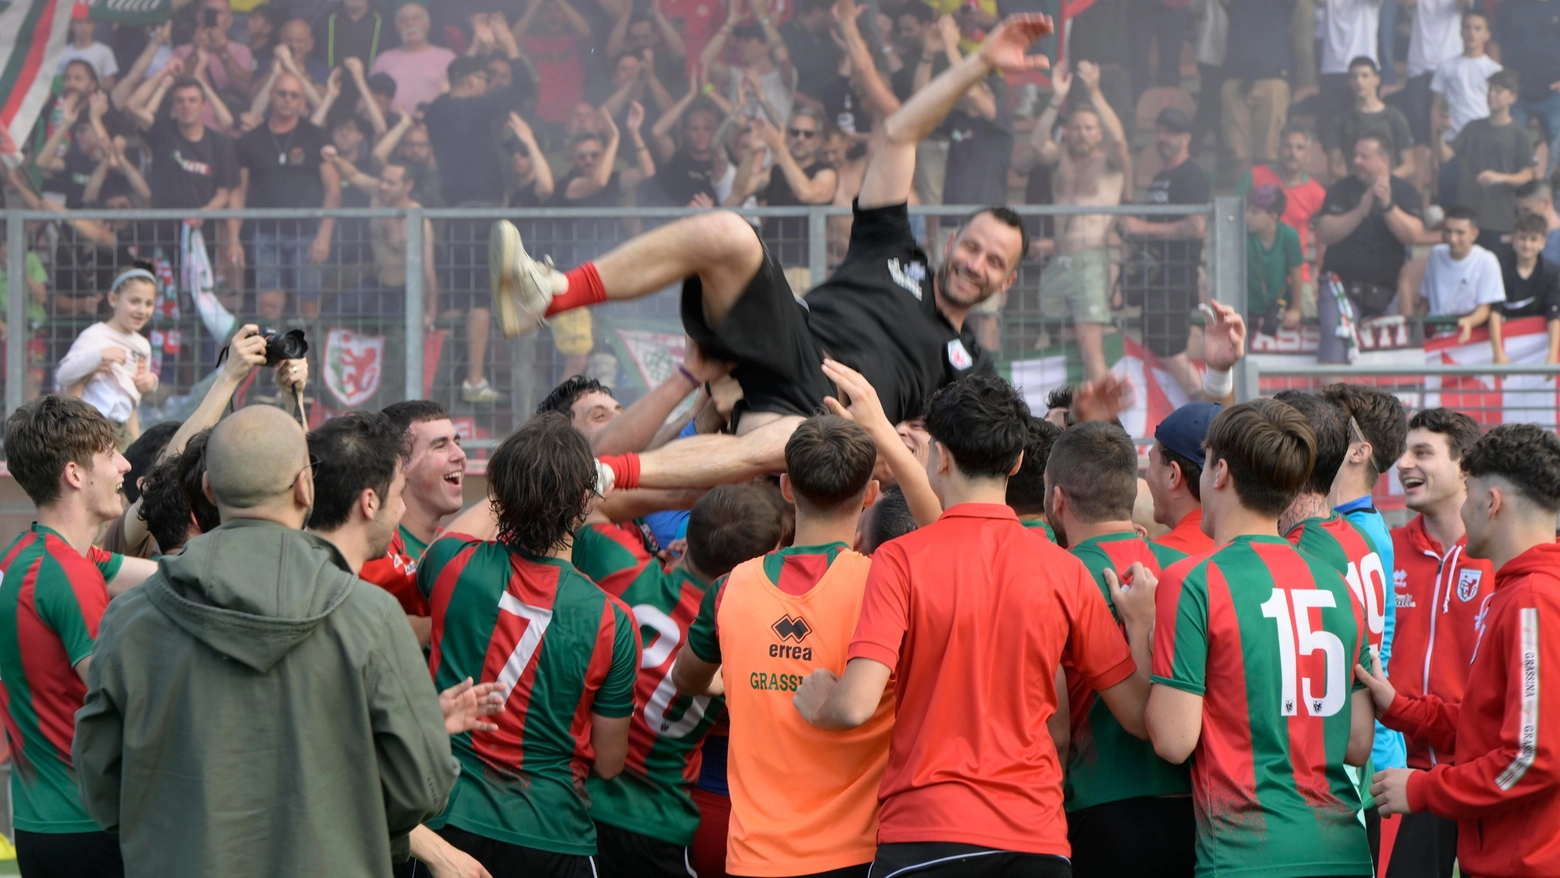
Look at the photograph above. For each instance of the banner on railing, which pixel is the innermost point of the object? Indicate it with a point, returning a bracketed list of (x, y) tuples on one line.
[(1491, 400), (33, 34)]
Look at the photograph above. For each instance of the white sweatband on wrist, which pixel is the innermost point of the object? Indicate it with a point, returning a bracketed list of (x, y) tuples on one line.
[(1218, 383)]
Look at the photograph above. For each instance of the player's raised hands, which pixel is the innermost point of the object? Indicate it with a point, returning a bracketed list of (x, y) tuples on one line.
[(1006, 47), (864, 406)]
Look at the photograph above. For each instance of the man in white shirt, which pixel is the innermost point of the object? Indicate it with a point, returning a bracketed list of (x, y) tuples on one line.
[(1462, 279), (1436, 39), (1459, 90)]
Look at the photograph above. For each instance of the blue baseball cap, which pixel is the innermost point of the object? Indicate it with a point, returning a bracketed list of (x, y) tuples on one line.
[(1185, 429)]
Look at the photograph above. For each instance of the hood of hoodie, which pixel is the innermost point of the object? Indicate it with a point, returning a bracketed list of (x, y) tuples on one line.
[(252, 590), (1421, 541), (1543, 559)]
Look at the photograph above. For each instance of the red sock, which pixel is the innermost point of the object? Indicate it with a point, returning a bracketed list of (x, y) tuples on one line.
[(584, 289), (625, 469)]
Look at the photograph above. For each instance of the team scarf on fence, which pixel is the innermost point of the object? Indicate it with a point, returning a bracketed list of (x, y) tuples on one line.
[(33, 34)]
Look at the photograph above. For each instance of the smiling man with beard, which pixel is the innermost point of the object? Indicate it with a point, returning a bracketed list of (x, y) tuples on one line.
[(885, 312), (435, 471)]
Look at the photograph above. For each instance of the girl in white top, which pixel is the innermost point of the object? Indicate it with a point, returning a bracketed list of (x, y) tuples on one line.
[(108, 364)]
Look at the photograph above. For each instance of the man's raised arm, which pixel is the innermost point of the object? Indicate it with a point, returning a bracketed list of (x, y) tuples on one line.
[(892, 167)]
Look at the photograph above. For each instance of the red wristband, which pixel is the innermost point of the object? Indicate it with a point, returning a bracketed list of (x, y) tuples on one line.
[(625, 470)]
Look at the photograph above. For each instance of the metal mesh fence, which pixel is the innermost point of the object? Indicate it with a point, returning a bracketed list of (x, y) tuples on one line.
[(397, 305)]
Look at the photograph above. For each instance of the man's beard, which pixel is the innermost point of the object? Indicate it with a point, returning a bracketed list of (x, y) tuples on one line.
[(944, 285)]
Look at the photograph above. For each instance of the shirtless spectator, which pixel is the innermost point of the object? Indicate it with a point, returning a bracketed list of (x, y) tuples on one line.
[(1340, 131), (386, 295), (409, 142), (1367, 224), (1092, 170)]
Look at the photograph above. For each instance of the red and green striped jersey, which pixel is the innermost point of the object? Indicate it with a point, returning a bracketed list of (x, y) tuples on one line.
[(51, 600), (1268, 637), (652, 796), (613, 555), (1343, 546), (563, 649), (396, 572), (1037, 524), (1104, 763)]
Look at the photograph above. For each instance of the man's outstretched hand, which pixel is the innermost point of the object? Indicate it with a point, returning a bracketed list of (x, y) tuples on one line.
[(1102, 400), (865, 408), (1005, 47), (465, 704)]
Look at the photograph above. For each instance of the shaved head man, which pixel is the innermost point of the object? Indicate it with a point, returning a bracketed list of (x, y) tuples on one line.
[(257, 466)]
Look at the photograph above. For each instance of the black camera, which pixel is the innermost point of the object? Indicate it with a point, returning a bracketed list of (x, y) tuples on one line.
[(279, 346)]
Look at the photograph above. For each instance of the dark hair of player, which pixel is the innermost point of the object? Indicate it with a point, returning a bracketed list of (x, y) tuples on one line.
[(541, 478), (564, 396), (1095, 465), (888, 519), (404, 414), (1026, 488), (983, 422), (143, 454), (45, 435), (1331, 427), (163, 507), (829, 461), (729, 525), (1269, 449), (1461, 431), (1381, 420), (356, 451), (192, 475), (1525, 456)]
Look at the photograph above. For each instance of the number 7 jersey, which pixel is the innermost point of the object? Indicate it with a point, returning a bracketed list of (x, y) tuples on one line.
[(1268, 638)]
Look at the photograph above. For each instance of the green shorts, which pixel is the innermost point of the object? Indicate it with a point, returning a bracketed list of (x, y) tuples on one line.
[(1076, 286)]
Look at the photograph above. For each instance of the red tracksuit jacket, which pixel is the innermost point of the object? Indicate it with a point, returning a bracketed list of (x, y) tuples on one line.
[(1504, 790), (1443, 599)]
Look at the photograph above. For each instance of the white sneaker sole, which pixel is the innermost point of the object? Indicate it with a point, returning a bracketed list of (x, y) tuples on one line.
[(520, 294)]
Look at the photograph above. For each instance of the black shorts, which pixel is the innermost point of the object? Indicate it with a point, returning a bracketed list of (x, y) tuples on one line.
[(1162, 843), (68, 855), (624, 854), (779, 362), (502, 858), (942, 859), (1426, 847)]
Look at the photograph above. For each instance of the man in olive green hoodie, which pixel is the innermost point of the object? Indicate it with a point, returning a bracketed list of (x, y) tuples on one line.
[(253, 709)]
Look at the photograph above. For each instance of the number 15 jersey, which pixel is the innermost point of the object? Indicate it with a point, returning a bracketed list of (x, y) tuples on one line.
[(1268, 637)]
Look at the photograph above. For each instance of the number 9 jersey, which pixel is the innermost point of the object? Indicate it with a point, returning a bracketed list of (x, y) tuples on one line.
[(1268, 638)]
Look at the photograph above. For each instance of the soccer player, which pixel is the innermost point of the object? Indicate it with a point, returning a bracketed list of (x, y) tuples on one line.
[(435, 472), (645, 817), (1253, 647), (54, 587), (803, 801), (967, 613), (885, 311), (1174, 475), (1026, 490), (1443, 601), (1114, 779), (1378, 432), (1499, 783), (514, 610)]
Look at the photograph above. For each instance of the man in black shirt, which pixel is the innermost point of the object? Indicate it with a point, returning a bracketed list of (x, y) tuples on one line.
[(193, 167), (1339, 132), (1164, 281), (279, 165), (884, 312), (1367, 223), (797, 177)]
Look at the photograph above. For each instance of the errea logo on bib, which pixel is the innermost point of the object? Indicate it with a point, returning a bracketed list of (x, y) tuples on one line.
[(958, 357), (908, 275)]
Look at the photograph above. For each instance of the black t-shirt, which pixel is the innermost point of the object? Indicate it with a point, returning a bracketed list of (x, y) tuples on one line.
[(464, 136), (1531, 296), (786, 236), (979, 152), (684, 176), (1178, 257), (877, 313), (284, 169), (72, 182), (1371, 254), (1342, 130), (1259, 39), (187, 173)]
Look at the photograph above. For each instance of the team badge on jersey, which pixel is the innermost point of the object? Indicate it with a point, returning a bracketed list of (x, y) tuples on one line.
[(1468, 584), (958, 356), (908, 275)]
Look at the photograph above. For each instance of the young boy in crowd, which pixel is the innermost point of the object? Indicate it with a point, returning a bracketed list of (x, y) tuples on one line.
[(108, 364), (1274, 263), (1532, 287), (1494, 157), (1459, 88), (803, 800), (1237, 630)]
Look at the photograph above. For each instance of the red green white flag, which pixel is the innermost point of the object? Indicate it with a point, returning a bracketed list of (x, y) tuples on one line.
[(33, 35)]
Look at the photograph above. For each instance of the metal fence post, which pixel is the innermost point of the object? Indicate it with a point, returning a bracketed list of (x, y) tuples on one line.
[(16, 313), (1227, 263), (1248, 381), (414, 303), (817, 244)]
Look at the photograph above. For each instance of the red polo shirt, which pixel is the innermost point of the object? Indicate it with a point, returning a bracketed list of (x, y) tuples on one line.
[(974, 613), (1187, 536)]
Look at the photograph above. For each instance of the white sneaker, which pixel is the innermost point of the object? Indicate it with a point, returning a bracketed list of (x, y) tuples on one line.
[(523, 288), (481, 392)]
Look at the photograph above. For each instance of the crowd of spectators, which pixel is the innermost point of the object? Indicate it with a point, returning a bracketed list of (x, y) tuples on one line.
[(1366, 140)]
